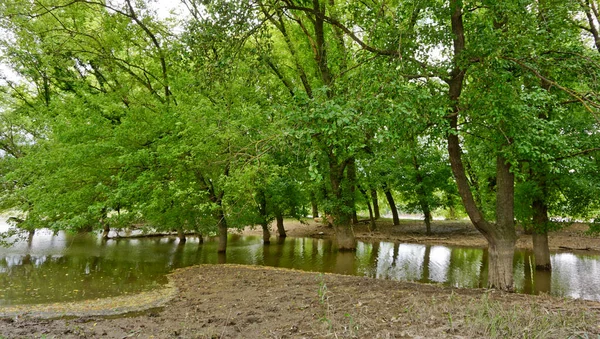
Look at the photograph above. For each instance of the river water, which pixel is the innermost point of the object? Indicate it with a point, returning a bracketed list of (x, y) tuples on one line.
[(63, 267)]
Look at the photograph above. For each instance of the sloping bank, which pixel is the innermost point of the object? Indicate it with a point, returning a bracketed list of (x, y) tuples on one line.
[(232, 301)]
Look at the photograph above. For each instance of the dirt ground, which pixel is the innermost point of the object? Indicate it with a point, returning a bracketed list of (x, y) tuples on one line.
[(230, 301)]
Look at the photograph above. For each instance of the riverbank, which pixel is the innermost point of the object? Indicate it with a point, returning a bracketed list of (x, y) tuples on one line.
[(572, 237), (230, 301)]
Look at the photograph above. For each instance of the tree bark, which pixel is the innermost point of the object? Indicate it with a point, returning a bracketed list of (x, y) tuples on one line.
[(181, 235), (344, 237), (392, 203), (539, 236), (502, 239), (371, 216), (500, 263), (222, 226), (264, 217), (280, 229), (342, 207), (30, 235), (266, 233), (315, 208), (351, 176), (105, 231), (375, 203), (422, 195)]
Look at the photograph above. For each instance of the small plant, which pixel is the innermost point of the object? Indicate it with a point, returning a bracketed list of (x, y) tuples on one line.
[(322, 292)]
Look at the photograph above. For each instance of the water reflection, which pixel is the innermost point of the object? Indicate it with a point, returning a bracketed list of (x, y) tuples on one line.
[(72, 267)]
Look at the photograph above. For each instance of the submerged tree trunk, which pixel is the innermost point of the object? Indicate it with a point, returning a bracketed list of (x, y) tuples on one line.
[(502, 238), (262, 209), (200, 238), (392, 203), (181, 235), (105, 231), (344, 237), (222, 226), (280, 229), (539, 236), (375, 203), (266, 233)]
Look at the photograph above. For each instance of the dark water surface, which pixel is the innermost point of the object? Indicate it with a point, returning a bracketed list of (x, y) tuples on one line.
[(75, 267)]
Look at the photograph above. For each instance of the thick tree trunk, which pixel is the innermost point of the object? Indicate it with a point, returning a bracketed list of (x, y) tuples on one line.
[(427, 218), (500, 264), (351, 176), (343, 206), (344, 237), (539, 236), (266, 233), (392, 203), (200, 238), (222, 226), (181, 235), (502, 238), (375, 203), (280, 229)]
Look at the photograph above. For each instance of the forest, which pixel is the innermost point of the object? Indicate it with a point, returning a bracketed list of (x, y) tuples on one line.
[(234, 113)]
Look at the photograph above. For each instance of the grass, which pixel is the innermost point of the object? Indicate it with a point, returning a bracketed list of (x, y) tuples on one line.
[(489, 314)]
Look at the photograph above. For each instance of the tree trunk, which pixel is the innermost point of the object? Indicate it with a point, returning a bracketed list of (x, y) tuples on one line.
[(342, 207), (315, 208), (501, 237), (351, 176), (371, 217), (200, 238), (500, 265), (105, 231), (422, 195), (344, 237), (280, 228), (181, 235), (30, 235), (427, 218), (266, 233), (375, 203), (539, 236), (392, 203), (222, 225)]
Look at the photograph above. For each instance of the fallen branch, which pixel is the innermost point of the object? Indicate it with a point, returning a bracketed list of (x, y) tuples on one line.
[(575, 249), (427, 239)]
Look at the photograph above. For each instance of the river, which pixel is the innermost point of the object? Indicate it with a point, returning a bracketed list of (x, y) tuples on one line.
[(63, 267)]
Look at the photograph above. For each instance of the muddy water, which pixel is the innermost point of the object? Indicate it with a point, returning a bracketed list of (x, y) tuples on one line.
[(73, 267)]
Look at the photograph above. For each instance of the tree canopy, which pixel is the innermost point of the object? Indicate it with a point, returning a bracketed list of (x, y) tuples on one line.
[(240, 113)]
